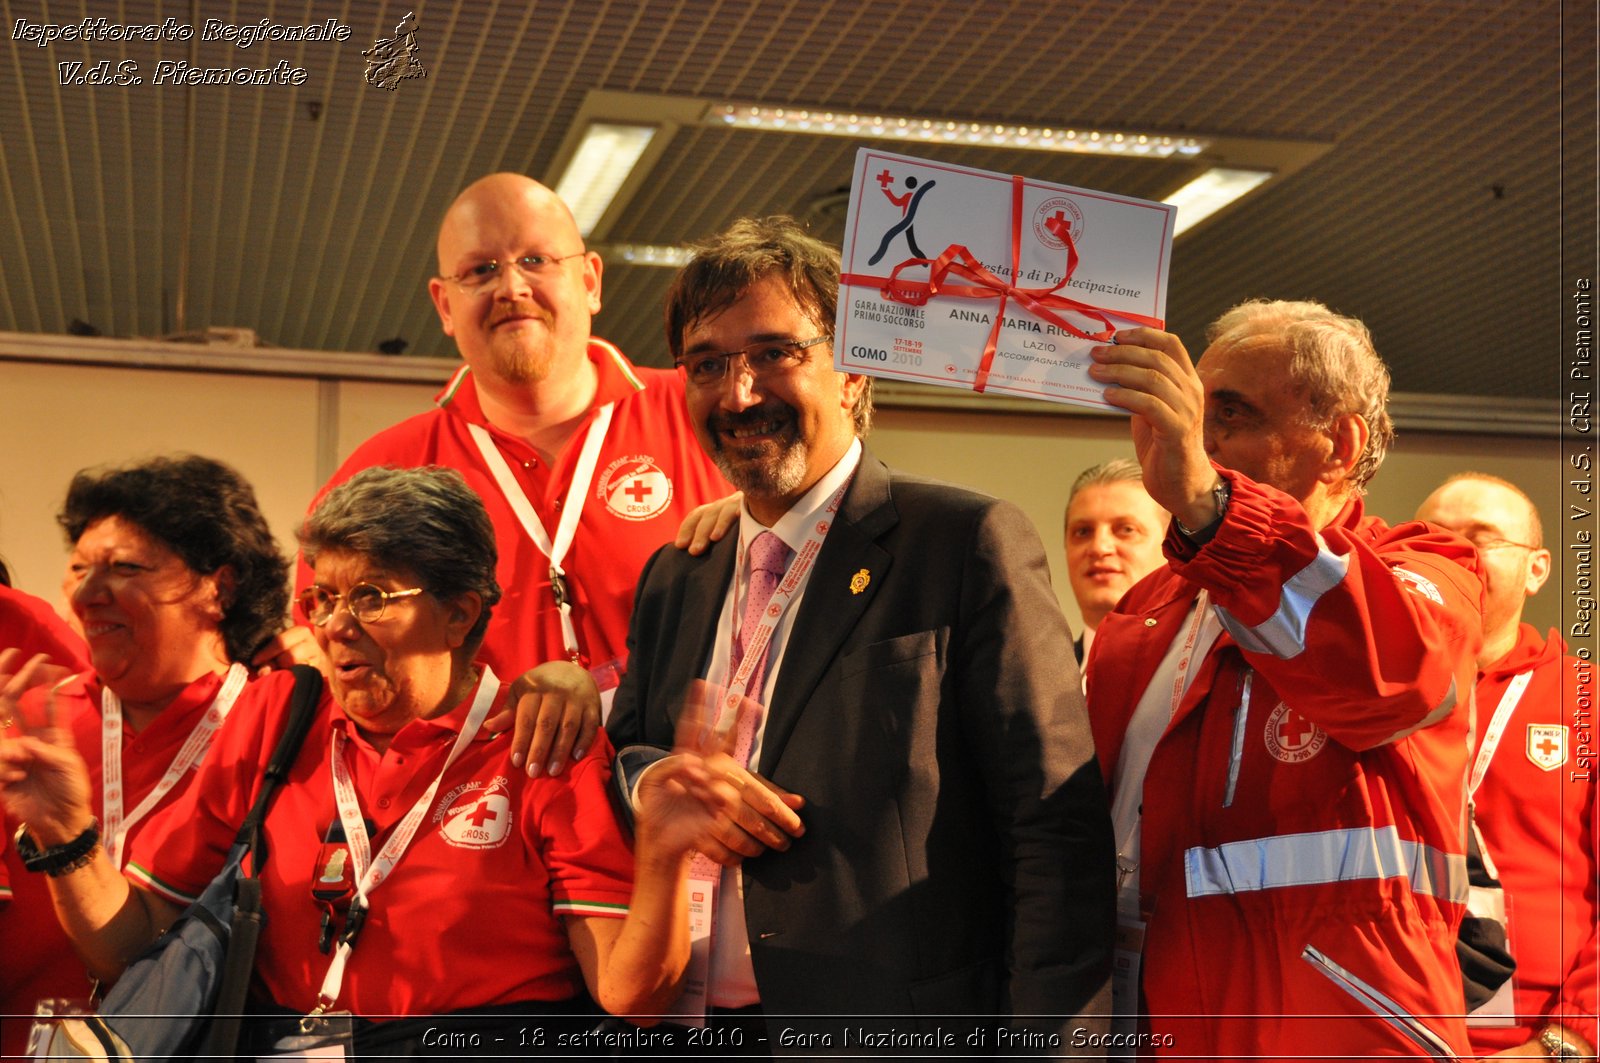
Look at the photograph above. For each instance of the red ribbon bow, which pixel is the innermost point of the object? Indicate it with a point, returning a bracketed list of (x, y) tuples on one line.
[(1041, 302)]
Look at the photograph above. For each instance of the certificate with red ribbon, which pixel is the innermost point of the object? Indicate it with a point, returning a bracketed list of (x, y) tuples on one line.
[(990, 281)]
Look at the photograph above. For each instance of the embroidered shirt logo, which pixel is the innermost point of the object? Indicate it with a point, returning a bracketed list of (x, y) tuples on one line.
[(476, 815), (634, 488), (1421, 584), (1291, 737), (1547, 745)]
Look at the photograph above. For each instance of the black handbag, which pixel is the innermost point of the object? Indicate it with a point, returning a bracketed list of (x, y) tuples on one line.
[(185, 995)]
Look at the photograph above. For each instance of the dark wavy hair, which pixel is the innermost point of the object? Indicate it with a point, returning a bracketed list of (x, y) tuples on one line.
[(207, 514), (749, 251)]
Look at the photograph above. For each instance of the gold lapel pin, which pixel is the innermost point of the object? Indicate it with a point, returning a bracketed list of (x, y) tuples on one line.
[(859, 581)]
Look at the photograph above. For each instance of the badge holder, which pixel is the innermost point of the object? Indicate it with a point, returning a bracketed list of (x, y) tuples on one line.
[(320, 1035), (1126, 954)]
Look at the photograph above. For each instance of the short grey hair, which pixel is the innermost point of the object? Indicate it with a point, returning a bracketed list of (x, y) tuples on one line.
[(425, 520), (1331, 360), (1115, 471)]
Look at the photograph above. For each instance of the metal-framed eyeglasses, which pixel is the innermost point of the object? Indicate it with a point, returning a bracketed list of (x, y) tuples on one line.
[(764, 359), (365, 601), (483, 276), (1485, 542)]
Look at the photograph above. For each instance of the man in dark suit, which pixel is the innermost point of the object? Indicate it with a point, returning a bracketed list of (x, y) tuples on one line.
[(917, 828)]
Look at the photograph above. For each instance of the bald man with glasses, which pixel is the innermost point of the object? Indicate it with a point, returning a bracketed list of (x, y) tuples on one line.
[(585, 461), (1532, 796)]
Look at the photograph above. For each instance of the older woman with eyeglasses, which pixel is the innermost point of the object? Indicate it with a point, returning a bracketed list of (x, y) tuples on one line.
[(175, 581), (410, 871)]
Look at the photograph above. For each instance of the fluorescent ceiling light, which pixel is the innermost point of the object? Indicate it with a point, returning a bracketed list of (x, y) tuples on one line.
[(1081, 141), (669, 255), (601, 164), (1210, 192)]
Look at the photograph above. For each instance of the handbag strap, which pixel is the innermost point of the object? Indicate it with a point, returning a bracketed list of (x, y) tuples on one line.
[(239, 962), (302, 708)]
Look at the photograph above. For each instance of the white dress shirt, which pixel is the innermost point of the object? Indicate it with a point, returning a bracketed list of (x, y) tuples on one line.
[(733, 979)]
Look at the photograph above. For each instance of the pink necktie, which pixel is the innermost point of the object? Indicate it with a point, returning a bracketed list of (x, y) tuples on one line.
[(769, 557)]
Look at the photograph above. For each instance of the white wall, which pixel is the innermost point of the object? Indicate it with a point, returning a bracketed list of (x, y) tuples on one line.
[(283, 433)]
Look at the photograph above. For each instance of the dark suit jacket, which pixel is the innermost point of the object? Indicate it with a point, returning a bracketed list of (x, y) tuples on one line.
[(957, 858)]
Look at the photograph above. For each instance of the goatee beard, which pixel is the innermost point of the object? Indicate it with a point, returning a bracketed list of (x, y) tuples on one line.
[(773, 477), (768, 469)]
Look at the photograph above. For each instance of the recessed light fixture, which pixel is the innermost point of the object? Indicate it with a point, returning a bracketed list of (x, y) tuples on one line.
[(668, 255), (601, 164), (617, 138), (1210, 192), (1077, 140)]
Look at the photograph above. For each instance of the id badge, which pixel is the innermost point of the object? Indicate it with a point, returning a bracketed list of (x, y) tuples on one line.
[(690, 1010), (328, 1035), (1500, 1009), (1126, 951)]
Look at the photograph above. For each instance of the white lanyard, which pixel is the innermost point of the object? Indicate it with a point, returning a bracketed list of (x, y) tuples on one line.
[(1497, 729), (370, 873), (756, 640), (567, 525), (1126, 845), (114, 825)]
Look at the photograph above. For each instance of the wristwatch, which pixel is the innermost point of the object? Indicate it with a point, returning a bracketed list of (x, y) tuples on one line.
[(58, 860), (1221, 493), (1553, 1040)]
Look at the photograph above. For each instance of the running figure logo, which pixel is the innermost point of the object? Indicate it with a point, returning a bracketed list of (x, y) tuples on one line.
[(907, 201)]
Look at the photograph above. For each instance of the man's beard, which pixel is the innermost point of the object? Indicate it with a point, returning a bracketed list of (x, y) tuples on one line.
[(520, 363), (522, 358), (765, 469)]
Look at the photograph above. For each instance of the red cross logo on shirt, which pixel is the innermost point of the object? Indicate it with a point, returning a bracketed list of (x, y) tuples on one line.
[(482, 814), (1547, 745), (1292, 738), (1295, 730), (638, 490)]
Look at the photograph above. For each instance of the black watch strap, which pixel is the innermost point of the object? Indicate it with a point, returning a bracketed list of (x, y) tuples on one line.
[(1221, 493), (58, 859)]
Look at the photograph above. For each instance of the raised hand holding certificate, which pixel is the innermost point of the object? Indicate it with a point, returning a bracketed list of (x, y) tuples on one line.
[(992, 282)]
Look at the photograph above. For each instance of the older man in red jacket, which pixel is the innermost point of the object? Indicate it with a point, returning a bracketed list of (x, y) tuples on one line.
[(1282, 711)]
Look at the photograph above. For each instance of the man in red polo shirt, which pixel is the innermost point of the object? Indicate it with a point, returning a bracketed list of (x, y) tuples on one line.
[(585, 462), (1532, 801)]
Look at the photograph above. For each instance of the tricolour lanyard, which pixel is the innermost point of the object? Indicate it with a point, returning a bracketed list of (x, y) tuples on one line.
[(114, 824), (369, 872), (567, 526), (1497, 729)]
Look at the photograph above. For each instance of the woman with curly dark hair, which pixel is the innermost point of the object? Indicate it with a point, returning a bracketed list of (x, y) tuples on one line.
[(176, 581)]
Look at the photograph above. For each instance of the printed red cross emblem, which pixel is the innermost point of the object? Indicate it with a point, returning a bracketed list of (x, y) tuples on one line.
[(637, 490), (1059, 218), (1294, 731), (1548, 746), (885, 178), (482, 814)]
